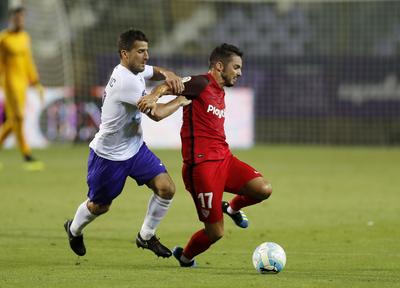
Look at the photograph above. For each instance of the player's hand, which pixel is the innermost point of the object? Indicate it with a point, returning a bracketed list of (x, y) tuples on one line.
[(183, 101), (147, 103), (40, 90), (174, 82)]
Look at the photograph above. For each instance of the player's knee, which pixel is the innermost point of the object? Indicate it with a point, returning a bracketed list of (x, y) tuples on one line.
[(98, 209), (166, 190), (266, 191)]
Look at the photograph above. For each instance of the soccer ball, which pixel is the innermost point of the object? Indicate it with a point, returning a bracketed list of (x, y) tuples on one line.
[(269, 258)]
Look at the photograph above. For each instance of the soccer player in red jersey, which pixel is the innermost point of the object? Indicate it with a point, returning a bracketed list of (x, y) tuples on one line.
[(209, 168)]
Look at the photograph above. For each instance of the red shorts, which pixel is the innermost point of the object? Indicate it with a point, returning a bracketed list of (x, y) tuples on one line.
[(207, 181)]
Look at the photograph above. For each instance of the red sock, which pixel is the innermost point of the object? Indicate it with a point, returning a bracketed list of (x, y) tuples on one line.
[(241, 201), (197, 244)]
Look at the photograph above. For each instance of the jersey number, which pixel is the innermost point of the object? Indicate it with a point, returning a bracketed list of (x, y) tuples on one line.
[(206, 197)]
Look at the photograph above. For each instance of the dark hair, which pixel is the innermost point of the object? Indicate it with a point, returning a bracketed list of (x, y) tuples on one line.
[(128, 38), (16, 10), (223, 53)]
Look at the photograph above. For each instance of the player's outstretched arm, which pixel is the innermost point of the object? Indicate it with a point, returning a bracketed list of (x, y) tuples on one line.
[(163, 110), (147, 102), (173, 81), (193, 87)]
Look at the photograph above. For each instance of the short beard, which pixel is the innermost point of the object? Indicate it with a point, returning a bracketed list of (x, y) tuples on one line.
[(226, 80)]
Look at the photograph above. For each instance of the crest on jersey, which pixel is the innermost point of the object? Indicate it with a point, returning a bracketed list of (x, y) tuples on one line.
[(205, 212), (186, 79)]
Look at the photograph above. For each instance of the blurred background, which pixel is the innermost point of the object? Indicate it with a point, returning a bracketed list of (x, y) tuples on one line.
[(321, 80), (320, 72)]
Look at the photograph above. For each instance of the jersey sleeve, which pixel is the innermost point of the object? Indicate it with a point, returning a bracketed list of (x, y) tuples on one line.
[(148, 72), (128, 92), (194, 85), (30, 64)]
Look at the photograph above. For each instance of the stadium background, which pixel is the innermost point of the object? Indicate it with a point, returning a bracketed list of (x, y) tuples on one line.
[(324, 72), (325, 81)]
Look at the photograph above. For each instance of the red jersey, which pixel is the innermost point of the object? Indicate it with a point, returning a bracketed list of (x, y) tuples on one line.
[(202, 133)]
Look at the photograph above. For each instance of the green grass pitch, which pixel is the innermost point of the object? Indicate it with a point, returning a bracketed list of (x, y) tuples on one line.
[(335, 211)]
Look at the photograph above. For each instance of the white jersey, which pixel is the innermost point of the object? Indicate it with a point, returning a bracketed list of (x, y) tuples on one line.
[(120, 135)]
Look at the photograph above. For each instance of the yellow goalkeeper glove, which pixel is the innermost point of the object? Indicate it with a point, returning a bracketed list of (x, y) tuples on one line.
[(40, 89)]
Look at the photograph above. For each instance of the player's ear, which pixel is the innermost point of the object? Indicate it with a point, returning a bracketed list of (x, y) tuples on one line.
[(219, 66), (124, 54)]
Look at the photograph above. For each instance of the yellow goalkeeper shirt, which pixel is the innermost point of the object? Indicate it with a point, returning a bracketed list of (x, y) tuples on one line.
[(17, 68)]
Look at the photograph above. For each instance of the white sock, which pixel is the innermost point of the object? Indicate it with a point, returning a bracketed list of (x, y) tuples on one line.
[(82, 218), (185, 260), (156, 211), (231, 211)]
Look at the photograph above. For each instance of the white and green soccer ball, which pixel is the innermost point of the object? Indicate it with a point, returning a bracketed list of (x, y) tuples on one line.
[(269, 258)]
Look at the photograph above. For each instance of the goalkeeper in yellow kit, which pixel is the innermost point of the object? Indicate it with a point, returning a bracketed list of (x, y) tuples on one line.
[(17, 72)]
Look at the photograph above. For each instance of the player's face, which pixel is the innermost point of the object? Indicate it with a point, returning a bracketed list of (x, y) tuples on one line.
[(232, 71), (18, 21), (137, 57)]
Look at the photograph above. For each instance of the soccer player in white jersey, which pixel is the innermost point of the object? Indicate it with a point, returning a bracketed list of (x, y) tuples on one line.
[(118, 151)]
